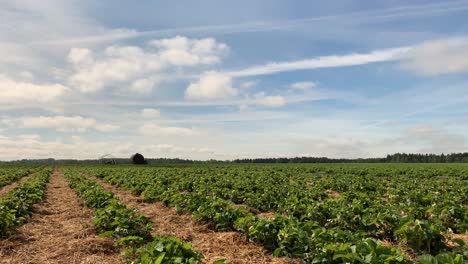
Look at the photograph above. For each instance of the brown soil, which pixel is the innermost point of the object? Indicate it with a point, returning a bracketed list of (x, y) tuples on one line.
[(248, 208), (257, 213), (266, 215), (463, 237), (231, 246), (60, 231), (333, 194), (7, 188), (409, 252)]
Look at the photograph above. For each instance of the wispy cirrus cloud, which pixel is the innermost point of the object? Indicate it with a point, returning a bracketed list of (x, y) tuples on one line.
[(323, 62), (419, 10), (434, 57)]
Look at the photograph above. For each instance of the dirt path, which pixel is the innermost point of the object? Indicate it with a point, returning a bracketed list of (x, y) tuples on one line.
[(232, 246), (7, 188), (60, 231)]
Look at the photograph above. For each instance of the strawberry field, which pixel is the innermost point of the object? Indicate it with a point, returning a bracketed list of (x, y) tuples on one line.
[(296, 213)]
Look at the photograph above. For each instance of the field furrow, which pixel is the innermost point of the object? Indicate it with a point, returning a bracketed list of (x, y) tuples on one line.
[(231, 246), (60, 231)]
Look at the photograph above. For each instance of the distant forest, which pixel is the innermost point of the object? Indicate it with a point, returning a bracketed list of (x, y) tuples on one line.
[(394, 158)]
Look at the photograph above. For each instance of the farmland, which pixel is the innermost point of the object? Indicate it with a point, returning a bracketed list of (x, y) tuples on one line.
[(246, 213)]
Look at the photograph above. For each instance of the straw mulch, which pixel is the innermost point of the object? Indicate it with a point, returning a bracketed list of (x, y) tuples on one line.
[(60, 231), (231, 246)]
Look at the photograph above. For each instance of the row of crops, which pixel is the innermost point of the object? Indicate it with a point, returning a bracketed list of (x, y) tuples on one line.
[(16, 205), (322, 213), (10, 173), (131, 230)]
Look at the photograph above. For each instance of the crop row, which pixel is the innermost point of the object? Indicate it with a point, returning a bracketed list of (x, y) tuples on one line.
[(131, 230), (16, 205), (9, 174), (284, 235)]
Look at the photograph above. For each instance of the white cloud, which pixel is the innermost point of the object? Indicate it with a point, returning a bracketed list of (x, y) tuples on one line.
[(106, 127), (65, 123), (12, 148), (433, 139), (421, 131), (248, 84), (430, 58), (80, 56), (269, 100), (144, 86), (29, 136), (12, 92), (333, 147), (438, 57), (150, 113), (323, 62), (211, 85), (183, 51), (156, 130), (137, 67), (303, 85), (26, 75)]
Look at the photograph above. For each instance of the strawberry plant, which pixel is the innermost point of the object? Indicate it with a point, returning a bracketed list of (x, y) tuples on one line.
[(17, 205), (321, 210)]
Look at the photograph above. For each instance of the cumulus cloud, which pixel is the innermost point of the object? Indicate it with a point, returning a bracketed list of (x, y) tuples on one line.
[(183, 51), (150, 113), (140, 67), (438, 57), (80, 56), (25, 92), (157, 130), (303, 85), (144, 86), (65, 123), (211, 85)]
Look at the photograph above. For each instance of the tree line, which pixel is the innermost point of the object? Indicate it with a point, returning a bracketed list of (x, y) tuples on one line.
[(391, 158)]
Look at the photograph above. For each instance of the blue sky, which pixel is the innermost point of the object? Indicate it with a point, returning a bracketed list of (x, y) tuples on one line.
[(232, 79)]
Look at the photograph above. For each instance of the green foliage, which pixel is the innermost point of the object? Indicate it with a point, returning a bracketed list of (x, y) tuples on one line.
[(10, 174), (17, 205), (422, 235), (131, 230), (324, 213), (443, 258), (365, 251), (119, 221), (219, 212), (111, 218), (166, 250)]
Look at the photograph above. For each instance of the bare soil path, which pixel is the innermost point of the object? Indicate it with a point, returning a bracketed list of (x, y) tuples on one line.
[(231, 246), (60, 231), (7, 188)]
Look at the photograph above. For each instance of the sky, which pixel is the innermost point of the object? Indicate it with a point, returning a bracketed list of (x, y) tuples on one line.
[(212, 79)]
